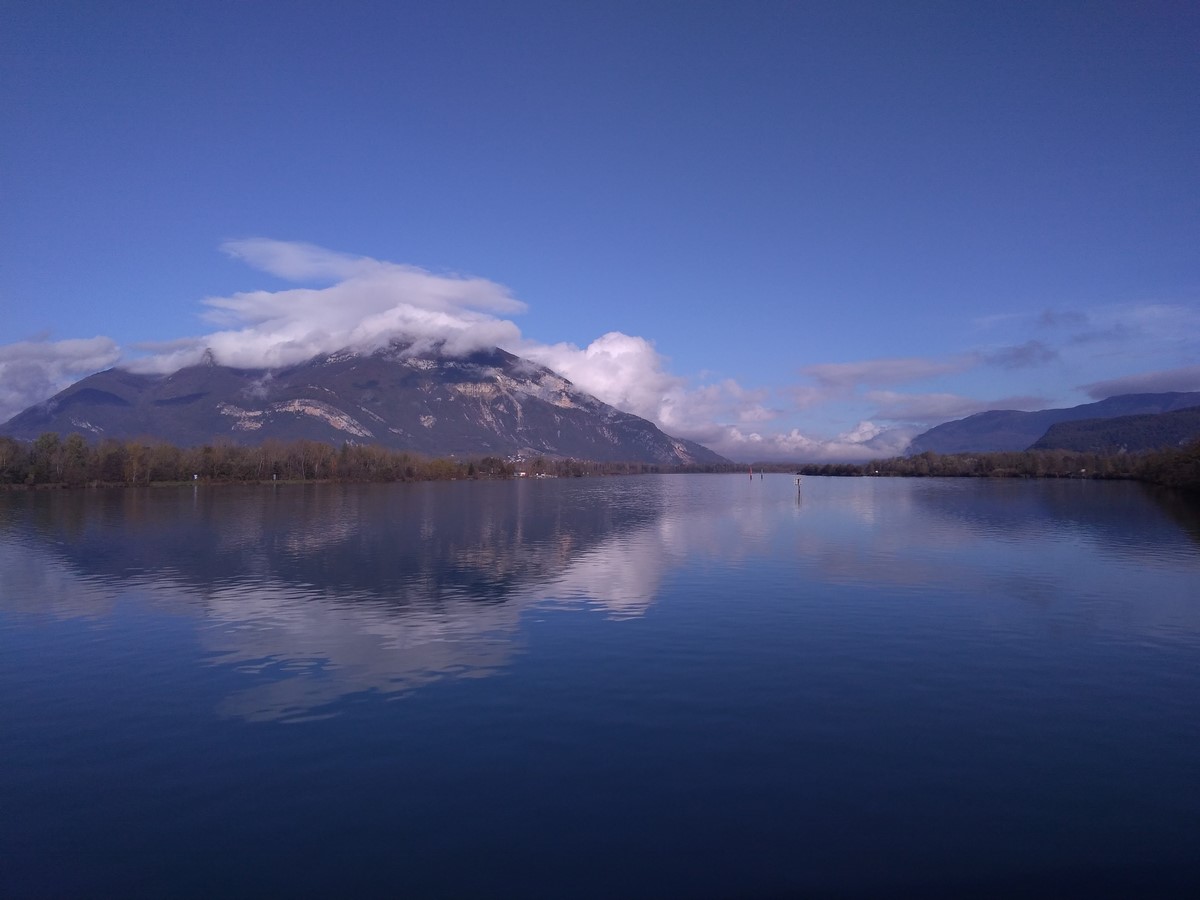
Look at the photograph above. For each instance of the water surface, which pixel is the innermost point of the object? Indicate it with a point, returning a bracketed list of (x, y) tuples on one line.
[(684, 686)]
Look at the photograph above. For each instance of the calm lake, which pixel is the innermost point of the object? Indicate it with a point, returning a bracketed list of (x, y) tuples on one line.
[(657, 686)]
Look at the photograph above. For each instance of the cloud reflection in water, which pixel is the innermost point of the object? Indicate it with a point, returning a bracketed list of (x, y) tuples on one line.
[(312, 594)]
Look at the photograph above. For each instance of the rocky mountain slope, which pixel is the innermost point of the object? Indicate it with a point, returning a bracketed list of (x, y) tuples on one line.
[(488, 403), (1010, 429)]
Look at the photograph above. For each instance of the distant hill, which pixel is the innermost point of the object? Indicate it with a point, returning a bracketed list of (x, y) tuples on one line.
[(1010, 429), (1130, 434), (488, 403)]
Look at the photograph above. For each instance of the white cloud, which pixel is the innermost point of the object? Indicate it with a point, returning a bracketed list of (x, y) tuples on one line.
[(368, 304), (629, 373), (297, 261), (867, 440), (620, 369), (861, 433), (32, 371)]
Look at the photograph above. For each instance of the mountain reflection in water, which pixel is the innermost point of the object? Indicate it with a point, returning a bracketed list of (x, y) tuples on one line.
[(332, 589), (321, 591), (629, 687)]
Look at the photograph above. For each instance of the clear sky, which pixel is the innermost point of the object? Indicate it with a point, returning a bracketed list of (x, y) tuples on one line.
[(797, 230)]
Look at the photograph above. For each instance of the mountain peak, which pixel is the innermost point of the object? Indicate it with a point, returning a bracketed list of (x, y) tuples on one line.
[(485, 403)]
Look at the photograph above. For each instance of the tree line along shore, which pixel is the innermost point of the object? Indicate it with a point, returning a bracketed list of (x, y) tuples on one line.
[(1172, 467), (54, 461)]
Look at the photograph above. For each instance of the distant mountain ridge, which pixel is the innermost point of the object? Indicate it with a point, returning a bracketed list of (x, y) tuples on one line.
[(1010, 429), (1123, 434), (490, 402)]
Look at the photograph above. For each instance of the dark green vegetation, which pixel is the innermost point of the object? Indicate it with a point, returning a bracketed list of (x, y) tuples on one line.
[(1176, 467), (73, 462)]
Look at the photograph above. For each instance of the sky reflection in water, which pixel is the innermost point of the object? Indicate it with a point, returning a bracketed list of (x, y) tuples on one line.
[(713, 685), (329, 590)]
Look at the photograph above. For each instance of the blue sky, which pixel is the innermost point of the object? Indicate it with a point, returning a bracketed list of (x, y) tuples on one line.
[(788, 230)]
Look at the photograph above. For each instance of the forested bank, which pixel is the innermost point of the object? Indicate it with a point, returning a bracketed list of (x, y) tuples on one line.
[(1179, 467), (74, 462)]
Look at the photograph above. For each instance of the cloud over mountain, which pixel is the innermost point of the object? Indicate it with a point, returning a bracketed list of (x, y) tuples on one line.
[(336, 300), (31, 371), (364, 304), (341, 300)]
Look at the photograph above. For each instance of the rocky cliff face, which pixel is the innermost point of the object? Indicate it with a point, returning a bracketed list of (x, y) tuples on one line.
[(488, 403)]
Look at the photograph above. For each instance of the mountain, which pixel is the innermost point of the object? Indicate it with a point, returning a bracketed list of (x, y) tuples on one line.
[(1010, 429), (488, 403), (1129, 434)]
